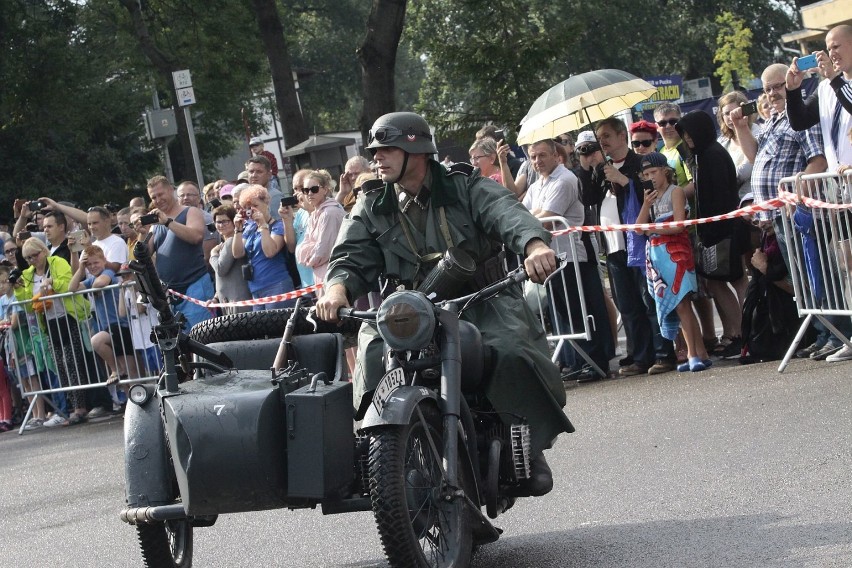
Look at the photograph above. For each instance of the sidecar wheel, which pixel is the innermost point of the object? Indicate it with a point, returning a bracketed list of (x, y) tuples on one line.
[(418, 525), (166, 545)]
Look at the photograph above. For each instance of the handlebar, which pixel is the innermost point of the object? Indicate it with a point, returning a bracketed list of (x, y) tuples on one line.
[(516, 276)]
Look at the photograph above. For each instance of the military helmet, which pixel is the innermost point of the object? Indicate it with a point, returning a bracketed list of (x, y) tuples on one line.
[(404, 130)]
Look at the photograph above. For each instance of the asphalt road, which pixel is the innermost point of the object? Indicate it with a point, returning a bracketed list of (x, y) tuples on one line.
[(732, 467)]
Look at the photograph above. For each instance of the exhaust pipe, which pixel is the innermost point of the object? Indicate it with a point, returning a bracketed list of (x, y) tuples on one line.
[(137, 515)]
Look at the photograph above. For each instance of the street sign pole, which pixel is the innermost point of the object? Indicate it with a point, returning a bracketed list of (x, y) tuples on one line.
[(185, 98), (193, 147)]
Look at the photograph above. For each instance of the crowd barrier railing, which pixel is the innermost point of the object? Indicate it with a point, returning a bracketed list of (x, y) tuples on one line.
[(817, 218), (51, 353), (569, 325)]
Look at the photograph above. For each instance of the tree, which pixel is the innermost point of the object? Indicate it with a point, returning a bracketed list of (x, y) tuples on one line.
[(733, 42), (278, 54), (486, 61), (377, 56)]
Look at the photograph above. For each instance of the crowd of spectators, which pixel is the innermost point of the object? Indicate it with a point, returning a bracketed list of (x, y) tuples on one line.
[(235, 240)]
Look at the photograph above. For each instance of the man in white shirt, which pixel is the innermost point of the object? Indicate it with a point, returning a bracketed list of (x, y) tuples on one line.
[(556, 193)]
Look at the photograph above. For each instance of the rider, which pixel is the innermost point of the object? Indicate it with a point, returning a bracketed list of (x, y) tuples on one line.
[(423, 209)]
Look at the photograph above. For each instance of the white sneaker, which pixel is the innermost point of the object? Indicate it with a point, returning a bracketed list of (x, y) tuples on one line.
[(34, 424), (96, 412), (55, 420), (845, 354)]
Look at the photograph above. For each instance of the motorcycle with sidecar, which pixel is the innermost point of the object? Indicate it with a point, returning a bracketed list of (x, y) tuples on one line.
[(254, 411)]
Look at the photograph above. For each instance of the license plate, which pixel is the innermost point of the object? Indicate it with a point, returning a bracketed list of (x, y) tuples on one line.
[(390, 382)]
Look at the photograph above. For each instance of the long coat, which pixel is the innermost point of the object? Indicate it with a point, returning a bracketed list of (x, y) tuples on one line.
[(481, 215)]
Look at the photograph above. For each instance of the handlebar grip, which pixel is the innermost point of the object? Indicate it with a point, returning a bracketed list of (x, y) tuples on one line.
[(202, 350)]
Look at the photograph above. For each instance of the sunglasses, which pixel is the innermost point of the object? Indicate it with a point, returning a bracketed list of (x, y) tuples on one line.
[(312, 189), (645, 143), (670, 122), (389, 133), (587, 149)]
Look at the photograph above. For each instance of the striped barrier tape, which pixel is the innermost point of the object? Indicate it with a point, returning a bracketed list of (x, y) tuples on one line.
[(253, 302), (784, 197)]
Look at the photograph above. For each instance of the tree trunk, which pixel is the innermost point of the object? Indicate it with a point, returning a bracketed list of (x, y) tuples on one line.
[(165, 66), (275, 46), (377, 56)]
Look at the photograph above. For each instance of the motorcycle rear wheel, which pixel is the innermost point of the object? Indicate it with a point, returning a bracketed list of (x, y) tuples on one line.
[(417, 525), (167, 544)]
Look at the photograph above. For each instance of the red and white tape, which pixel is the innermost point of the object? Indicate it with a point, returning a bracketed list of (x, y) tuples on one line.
[(784, 197), (253, 302)]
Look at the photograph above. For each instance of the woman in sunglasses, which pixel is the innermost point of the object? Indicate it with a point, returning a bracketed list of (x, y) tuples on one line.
[(643, 137), (327, 216)]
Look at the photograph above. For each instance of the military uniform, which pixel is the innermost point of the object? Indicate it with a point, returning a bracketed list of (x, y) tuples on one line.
[(480, 215)]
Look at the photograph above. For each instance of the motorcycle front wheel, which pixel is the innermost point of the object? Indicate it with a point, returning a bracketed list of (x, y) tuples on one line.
[(419, 523), (167, 544)]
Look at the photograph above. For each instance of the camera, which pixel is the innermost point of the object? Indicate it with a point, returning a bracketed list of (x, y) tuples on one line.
[(749, 108), (14, 274), (806, 62), (112, 207), (289, 201), (248, 272), (24, 235), (211, 227), (149, 219), (35, 205)]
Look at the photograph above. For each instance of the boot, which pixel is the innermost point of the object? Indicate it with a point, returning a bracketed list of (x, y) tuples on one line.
[(540, 481)]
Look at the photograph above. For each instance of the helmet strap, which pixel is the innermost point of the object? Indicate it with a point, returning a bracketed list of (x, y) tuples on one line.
[(402, 169)]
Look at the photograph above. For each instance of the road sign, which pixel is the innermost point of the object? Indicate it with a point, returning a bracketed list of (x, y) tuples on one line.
[(182, 79), (186, 96)]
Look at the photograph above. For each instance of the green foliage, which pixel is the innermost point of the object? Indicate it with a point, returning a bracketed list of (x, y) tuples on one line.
[(733, 42), (483, 60)]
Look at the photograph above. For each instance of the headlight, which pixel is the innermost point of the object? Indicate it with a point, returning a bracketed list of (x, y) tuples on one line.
[(406, 321), (138, 394)]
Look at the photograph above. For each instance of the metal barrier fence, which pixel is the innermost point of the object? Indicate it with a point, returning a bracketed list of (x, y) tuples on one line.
[(818, 235), (564, 325), (55, 357)]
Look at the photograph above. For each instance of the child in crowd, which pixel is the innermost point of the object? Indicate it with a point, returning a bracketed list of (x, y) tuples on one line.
[(26, 353), (669, 261), (143, 317), (112, 341)]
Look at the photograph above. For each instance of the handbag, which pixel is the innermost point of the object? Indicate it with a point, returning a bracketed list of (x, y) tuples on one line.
[(714, 261)]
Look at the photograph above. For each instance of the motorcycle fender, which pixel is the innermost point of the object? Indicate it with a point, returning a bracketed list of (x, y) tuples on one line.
[(398, 409), (147, 470)]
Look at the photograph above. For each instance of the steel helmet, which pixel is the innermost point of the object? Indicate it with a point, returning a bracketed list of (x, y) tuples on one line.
[(404, 130)]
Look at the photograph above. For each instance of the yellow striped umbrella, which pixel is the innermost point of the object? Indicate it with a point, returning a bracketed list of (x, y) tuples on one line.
[(581, 100)]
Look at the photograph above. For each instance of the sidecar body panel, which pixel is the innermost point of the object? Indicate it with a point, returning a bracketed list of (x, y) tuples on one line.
[(147, 471), (227, 440)]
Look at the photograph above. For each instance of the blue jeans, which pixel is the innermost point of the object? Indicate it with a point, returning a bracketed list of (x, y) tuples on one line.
[(273, 290), (629, 284)]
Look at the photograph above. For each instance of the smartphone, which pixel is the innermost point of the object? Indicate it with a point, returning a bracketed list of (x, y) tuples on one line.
[(149, 219), (499, 135), (648, 185), (806, 62), (78, 237), (216, 202), (749, 108), (289, 201)]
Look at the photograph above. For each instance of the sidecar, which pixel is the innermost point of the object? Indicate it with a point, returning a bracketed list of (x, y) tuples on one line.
[(241, 439)]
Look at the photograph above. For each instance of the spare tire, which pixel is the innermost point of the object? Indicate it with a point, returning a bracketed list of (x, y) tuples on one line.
[(243, 326), (248, 326)]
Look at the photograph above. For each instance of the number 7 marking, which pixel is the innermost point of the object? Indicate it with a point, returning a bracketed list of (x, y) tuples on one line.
[(218, 408)]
